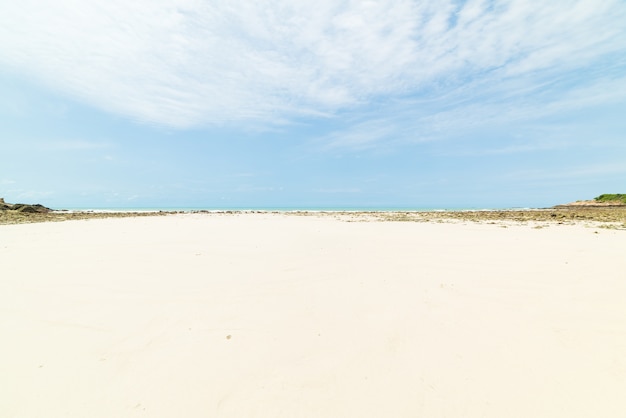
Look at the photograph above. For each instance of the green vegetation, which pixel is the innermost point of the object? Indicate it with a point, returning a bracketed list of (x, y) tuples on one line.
[(618, 198)]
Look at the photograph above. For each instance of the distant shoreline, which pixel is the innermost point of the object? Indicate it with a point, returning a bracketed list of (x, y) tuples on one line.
[(610, 216)]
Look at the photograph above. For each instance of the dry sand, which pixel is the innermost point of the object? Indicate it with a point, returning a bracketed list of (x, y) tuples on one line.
[(268, 315)]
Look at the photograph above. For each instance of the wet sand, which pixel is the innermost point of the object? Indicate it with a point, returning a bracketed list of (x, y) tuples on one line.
[(313, 315)]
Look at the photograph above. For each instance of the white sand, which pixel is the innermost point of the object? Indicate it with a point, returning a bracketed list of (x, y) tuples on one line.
[(262, 315)]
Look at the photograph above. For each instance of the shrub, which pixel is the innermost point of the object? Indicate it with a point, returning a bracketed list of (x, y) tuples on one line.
[(621, 198)]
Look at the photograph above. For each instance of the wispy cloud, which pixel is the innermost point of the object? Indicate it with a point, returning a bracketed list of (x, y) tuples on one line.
[(19, 196), (193, 63), (339, 190), (73, 145), (54, 144), (575, 173), (475, 107)]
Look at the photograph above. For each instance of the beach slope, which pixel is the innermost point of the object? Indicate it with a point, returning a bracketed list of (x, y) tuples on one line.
[(270, 315)]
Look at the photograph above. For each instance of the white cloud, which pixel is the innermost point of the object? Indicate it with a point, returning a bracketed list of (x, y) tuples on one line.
[(473, 108), (188, 63)]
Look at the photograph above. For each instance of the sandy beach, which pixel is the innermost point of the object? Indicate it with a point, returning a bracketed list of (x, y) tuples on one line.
[(274, 315)]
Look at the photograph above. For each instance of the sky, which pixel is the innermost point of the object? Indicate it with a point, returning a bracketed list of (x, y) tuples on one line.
[(325, 104)]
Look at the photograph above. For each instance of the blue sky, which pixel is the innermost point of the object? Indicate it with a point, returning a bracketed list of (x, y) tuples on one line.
[(330, 104)]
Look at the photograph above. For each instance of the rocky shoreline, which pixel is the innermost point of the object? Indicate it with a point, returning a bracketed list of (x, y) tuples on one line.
[(607, 217), (9, 217), (590, 204), (22, 207), (21, 213)]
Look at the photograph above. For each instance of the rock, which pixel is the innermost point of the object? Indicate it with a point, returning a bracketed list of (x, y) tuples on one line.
[(589, 203), (23, 207)]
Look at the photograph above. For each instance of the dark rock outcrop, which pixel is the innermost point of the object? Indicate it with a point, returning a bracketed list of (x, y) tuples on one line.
[(23, 207), (3, 205)]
